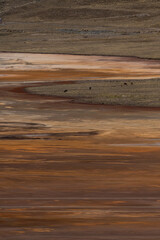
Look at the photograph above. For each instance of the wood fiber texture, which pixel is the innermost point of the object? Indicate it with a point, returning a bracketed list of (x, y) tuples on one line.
[(73, 170)]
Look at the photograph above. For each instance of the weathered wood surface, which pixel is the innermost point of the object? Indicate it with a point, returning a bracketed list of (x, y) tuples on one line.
[(102, 27), (76, 171)]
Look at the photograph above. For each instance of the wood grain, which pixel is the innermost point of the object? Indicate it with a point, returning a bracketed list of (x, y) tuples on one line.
[(101, 27), (71, 170)]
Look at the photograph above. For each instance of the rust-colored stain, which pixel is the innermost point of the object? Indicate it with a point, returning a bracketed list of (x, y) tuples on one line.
[(77, 171)]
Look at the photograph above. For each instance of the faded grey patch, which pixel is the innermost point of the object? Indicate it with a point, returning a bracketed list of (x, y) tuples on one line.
[(113, 92)]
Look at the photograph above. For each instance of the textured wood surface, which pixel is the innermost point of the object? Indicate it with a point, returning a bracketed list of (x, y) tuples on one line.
[(101, 27), (71, 170)]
